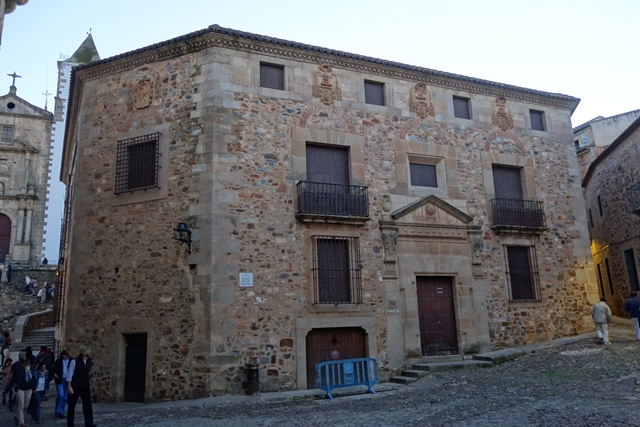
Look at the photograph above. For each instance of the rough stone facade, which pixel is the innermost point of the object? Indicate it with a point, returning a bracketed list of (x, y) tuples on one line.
[(612, 196), (233, 159), (24, 162)]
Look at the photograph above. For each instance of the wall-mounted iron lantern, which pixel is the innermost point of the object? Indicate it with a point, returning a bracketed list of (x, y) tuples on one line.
[(183, 234)]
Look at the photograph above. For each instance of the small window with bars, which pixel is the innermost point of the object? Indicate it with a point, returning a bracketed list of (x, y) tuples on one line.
[(337, 276), (423, 175), (537, 119), (137, 163), (522, 273), (373, 93), (461, 108), (7, 134), (272, 76)]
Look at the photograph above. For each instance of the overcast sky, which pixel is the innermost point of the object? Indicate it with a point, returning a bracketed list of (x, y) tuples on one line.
[(582, 48)]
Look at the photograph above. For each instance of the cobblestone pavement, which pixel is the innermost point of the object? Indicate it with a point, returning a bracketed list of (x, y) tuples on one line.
[(575, 385)]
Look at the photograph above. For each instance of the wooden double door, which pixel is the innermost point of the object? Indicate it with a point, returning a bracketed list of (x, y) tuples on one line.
[(436, 315), (333, 344)]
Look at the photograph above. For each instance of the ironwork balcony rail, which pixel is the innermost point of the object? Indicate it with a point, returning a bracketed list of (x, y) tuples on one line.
[(518, 213), (633, 194), (332, 199)]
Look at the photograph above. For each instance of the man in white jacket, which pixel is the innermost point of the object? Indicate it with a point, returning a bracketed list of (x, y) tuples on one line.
[(601, 314)]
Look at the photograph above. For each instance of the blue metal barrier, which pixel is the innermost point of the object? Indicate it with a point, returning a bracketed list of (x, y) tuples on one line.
[(346, 373)]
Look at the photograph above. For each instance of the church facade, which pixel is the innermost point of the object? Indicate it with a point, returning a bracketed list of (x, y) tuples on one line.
[(234, 198), (25, 145)]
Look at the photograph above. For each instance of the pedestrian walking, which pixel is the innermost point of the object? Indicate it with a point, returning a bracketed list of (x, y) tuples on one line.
[(79, 386), (60, 370), (601, 314), (25, 381), (632, 306), (42, 385)]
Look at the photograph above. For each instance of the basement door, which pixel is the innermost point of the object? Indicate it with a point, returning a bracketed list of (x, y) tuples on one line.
[(135, 370), (333, 344), (436, 316)]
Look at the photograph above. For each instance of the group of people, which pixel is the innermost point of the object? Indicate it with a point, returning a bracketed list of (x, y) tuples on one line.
[(43, 294), (26, 382), (601, 314)]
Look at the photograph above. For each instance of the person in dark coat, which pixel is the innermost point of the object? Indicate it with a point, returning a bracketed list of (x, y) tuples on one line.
[(79, 386), (60, 369), (632, 306)]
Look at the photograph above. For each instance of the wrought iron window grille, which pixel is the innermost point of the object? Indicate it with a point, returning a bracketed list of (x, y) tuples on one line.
[(522, 273), (137, 163), (337, 270), (272, 76)]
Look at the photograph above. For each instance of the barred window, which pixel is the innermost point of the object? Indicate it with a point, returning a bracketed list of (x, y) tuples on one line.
[(7, 134), (336, 270), (423, 175), (522, 273), (461, 107), (537, 119), (373, 93), (137, 163), (272, 76)]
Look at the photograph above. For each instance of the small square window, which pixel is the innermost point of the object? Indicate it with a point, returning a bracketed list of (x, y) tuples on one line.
[(137, 163), (423, 175), (272, 76), (522, 273), (461, 107), (537, 119), (374, 93), (337, 269), (7, 134)]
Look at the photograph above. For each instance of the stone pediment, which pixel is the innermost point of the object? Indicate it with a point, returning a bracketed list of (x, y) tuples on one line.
[(12, 104), (431, 210)]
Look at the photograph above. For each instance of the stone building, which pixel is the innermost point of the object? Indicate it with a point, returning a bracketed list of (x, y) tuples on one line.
[(327, 205), (612, 193), (24, 159), (593, 137)]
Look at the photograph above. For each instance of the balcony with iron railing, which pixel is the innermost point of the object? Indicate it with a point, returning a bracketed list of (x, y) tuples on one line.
[(518, 216), (321, 202), (633, 194)]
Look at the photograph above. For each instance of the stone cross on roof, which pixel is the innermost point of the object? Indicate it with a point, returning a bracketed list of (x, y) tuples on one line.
[(14, 75)]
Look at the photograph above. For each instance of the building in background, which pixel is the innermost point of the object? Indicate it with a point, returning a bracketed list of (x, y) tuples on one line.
[(24, 157), (237, 198), (85, 53), (593, 137), (612, 192)]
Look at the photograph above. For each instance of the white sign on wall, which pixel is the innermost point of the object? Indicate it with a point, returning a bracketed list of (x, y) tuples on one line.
[(246, 280)]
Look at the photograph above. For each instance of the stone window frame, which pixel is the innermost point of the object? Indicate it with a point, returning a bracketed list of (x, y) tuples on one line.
[(5, 138), (161, 191), (527, 172), (437, 162), (264, 65), (543, 120), (515, 241), (373, 83), (469, 109), (600, 206), (355, 280), (137, 163), (443, 157)]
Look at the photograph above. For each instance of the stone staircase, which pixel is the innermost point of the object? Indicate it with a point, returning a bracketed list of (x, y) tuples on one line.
[(37, 338), (418, 368)]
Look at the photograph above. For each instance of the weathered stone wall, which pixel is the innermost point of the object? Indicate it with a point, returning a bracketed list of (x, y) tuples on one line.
[(616, 230), (232, 164)]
